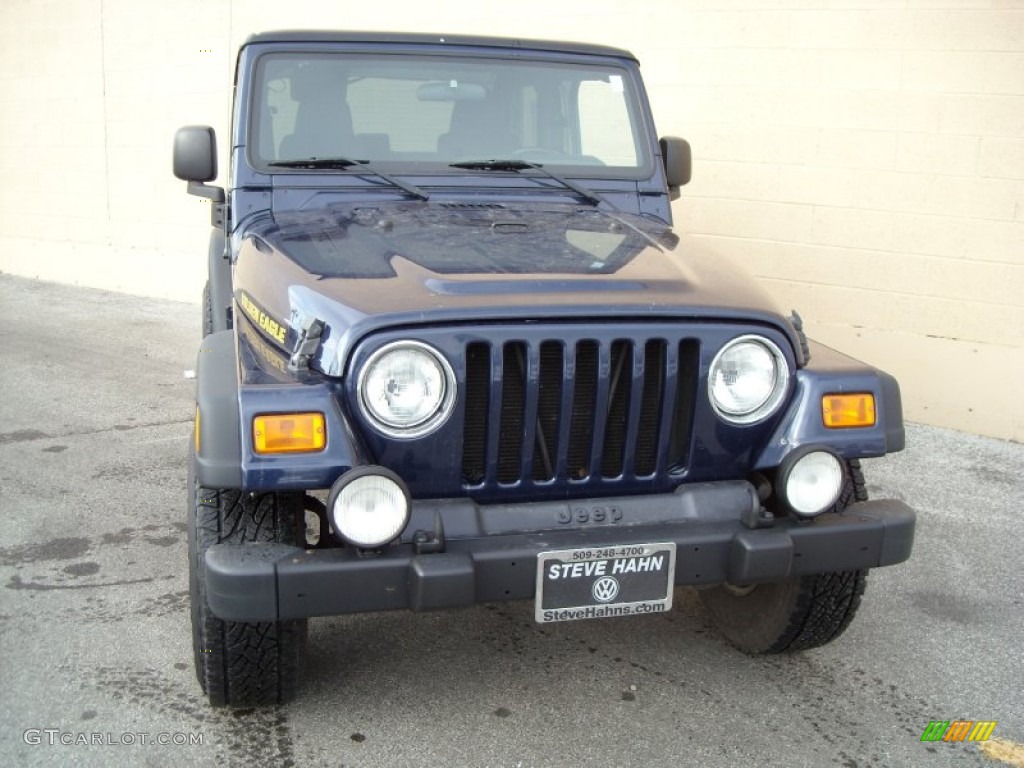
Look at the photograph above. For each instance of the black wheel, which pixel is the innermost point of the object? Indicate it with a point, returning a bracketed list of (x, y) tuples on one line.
[(207, 311), (241, 664), (797, 614)]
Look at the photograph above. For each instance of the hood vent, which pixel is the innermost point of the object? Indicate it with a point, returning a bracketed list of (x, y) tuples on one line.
[(473, 206)]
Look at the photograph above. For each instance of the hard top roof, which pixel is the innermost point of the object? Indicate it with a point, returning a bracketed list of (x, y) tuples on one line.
[(337, 36)]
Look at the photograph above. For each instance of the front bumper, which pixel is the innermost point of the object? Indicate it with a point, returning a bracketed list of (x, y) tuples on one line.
[(485, 560)]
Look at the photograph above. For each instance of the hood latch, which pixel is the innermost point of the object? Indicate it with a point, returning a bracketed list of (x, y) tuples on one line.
[(306, 345)]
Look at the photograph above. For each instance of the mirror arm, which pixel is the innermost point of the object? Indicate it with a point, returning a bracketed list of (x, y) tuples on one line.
[(219, 209), (216, 194)]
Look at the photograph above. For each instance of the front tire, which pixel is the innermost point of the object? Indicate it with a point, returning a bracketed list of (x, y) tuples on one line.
[(799, 613), (241, 664)]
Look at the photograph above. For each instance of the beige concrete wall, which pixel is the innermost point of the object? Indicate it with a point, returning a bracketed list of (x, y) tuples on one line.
[(864, 159)]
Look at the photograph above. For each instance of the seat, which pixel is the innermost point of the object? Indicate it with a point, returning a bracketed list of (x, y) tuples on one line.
[(323, 128), (323, 121), (479, 130)]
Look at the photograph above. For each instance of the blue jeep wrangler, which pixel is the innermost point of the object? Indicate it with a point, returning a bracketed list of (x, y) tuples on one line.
[(454, 353)]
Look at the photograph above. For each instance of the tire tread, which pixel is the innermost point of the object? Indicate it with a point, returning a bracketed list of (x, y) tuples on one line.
[(244, 664), (810, 611)]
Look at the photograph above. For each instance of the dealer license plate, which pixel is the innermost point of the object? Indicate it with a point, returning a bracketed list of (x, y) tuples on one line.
[(596, 583)]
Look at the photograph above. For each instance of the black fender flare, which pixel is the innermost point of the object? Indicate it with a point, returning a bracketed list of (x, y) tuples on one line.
[(219, 444), (220, 281), (895, 434)]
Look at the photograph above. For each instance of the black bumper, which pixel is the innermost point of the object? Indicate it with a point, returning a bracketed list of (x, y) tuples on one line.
[(484, 561)]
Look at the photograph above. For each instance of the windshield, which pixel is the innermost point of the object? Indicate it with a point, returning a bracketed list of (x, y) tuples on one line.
[(411, 113)]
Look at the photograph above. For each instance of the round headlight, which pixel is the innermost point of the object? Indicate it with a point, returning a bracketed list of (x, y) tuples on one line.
[(748, 379), (811, 482), (407, 389), (369, 507)]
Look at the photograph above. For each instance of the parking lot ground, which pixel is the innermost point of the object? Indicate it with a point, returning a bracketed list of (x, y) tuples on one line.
[(95, 645)]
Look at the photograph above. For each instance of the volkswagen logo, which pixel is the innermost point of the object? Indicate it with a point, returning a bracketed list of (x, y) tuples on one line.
[(605, 589)]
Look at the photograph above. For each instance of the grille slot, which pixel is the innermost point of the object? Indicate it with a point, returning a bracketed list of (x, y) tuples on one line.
[(513, 398), (474, 443), (618, 409), (549, 401), (646, 449), (577, 411), (581, 428), (688, 369)]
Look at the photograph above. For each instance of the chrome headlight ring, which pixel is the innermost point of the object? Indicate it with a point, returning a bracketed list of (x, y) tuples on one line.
[(748, 379), (406, 389)]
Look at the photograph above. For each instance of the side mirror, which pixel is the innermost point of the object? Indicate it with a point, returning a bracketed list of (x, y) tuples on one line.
[(195, 160), (678, 163)]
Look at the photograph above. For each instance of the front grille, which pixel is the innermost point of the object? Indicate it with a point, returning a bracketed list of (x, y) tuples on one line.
[(577, 410)]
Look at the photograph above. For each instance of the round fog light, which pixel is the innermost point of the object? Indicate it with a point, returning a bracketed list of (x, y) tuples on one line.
[(369, 506), (811, 482)]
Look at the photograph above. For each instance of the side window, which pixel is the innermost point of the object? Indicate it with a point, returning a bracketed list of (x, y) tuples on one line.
[(605, 127)]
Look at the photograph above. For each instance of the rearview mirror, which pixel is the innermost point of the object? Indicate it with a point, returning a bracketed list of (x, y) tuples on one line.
[(675, 152), (195, 153), (195, 160)]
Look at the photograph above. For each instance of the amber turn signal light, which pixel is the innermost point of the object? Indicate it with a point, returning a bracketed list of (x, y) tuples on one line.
[(289, 433), (843, 411)]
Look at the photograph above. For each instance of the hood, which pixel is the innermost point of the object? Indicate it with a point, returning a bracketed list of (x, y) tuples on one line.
[(361, 269)]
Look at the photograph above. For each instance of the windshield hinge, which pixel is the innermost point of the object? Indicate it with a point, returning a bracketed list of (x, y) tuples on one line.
[(306, 345), (219, 214)]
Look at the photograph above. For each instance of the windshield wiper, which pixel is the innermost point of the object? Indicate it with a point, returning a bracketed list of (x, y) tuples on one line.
[(341, 163), (522, 165), (317, 162)]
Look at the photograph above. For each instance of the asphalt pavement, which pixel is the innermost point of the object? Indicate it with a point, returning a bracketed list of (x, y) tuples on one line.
[(95, 646)]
